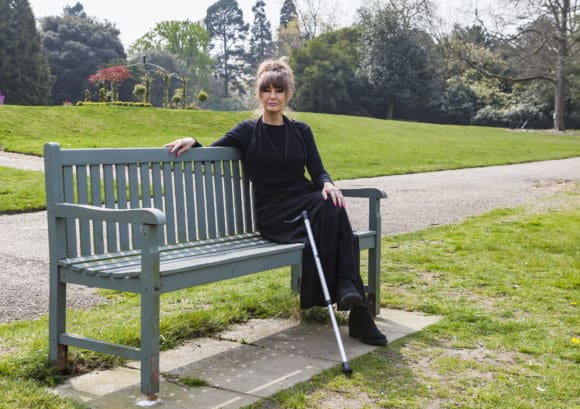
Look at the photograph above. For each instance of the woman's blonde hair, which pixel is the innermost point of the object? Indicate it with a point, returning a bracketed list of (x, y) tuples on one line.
[(275, 73)]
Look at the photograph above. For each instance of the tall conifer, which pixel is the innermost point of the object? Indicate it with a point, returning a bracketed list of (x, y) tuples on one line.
[(24, 72), (261, 44)]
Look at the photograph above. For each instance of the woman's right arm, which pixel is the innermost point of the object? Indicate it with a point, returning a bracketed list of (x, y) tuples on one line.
[(181, 145), (238, 137)]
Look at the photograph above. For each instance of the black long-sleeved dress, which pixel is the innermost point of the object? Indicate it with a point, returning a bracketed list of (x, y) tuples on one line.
[(275, 158)]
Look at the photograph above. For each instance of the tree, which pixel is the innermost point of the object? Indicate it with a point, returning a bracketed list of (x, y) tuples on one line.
[(184, 39), (288, 13), (77, 46), (24, 72), (316, 17), (225, 23), (289, 38), (543, 48), (325, 71), (261, 44), (152, 69), (111, 75), (397, 61)]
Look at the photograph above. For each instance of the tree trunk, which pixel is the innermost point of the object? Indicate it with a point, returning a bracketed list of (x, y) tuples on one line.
[(390, 109), (560, 94)]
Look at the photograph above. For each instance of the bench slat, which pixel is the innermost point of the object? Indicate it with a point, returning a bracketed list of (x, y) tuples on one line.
[(158, 194), (121, 175), (238, 198), (110, 203), (134, 200), (169, 203), (95, 172), (83, 198), (69, 195), (228, 202), (219, 199), (209, 190), (180, 202), (190, 200), (200, 201)]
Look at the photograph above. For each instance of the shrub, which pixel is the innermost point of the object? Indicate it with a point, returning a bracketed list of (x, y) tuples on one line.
[(488, 116)]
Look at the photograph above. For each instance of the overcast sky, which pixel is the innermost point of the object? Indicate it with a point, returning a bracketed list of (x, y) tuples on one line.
[(135, 17)]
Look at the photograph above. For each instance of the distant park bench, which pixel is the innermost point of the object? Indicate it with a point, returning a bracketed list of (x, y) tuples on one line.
[(146, 222)]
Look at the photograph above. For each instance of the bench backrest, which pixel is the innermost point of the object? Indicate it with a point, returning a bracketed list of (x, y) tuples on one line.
[(203, 193)]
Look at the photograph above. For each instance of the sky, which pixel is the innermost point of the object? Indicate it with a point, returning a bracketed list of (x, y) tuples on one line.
[(135, 17)]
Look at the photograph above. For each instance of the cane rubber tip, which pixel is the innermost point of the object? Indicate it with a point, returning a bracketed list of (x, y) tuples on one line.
[(346, 369)]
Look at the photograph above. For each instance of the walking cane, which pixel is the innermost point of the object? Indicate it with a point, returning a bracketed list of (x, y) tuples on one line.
[(345, 365)]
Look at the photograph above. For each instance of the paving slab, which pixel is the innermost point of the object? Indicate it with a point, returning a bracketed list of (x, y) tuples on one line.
[(240, 366)]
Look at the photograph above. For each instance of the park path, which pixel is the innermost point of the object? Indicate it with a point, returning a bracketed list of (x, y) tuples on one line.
[(415, 201)]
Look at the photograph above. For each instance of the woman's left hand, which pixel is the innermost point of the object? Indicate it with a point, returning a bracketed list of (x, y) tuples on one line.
[(329, 190)]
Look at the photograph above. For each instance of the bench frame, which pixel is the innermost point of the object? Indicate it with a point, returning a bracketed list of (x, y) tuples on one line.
[(120, 219)]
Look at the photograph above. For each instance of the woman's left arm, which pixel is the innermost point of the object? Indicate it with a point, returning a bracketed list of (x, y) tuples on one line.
[(318, 173)]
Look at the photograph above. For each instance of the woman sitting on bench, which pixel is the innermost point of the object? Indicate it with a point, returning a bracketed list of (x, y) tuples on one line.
[(276, 151)]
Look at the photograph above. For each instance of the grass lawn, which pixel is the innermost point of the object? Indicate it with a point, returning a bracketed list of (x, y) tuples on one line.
[(506, 284), (351, 147)]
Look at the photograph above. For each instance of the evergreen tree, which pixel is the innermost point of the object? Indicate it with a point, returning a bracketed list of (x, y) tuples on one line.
[(78, 46), (24, 72), (225, 23), (261, 44), (397, 61), (288, 13)]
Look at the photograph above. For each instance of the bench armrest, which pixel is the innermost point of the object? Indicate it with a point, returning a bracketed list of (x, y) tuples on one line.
[(80, 211), (370, 192), (374, 195)]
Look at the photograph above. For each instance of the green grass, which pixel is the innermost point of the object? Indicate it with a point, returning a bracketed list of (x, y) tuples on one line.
[(506, 284), (351, 147), (507, 287), (21, 190)]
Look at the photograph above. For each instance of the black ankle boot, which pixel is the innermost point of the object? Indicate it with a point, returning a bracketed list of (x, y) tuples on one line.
[(348, 296), (361, 325)]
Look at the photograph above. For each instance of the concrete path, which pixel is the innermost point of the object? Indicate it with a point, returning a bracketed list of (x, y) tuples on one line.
[(264, 356), (247, 363)]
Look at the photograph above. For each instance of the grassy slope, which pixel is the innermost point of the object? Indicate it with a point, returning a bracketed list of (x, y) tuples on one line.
[(351, 147)]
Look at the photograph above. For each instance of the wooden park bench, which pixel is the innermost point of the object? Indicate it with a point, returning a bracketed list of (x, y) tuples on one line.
[(146, 222)]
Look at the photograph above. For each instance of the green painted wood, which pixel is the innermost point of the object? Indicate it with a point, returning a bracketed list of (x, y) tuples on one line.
[(200, 201), (83, 198), (190, 200), (109, 187), (220, 207), (122, 201), (96, 200), (134, 191), (229, 198), (100, 346), (180, 203), (209, 191), (238, 205), (169, 203), (69, 196)]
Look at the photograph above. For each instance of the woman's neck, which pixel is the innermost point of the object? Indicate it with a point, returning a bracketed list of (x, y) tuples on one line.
[(269, 119)]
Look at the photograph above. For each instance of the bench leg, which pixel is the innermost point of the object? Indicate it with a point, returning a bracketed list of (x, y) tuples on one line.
[(295, 277), (374, 288), (57, 353), (150, 344)]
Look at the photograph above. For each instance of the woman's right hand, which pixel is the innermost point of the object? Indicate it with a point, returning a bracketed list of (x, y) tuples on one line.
[(180, 145)]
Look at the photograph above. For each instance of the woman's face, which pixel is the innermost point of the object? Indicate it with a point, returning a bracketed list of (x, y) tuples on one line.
[(273, 99)]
